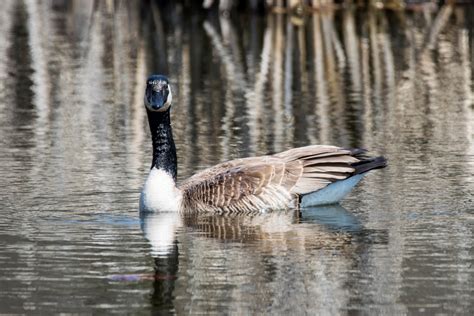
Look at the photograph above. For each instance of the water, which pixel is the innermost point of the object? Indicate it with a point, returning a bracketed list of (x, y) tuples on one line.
[(75, 152)]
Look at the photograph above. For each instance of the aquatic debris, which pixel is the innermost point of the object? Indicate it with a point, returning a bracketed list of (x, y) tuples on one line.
[(140, 277)]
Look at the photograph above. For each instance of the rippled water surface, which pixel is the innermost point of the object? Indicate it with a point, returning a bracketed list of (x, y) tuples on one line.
[(75, 151)]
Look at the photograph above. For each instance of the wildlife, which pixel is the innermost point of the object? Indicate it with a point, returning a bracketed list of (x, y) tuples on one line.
[(296, 178)]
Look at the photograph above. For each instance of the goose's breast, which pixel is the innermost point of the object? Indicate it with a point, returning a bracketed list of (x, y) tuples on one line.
[(160, 193)]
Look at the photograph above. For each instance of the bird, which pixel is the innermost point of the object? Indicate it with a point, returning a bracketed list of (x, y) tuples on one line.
[(296, 178)]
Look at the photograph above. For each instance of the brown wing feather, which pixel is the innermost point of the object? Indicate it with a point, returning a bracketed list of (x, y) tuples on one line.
[(243, 184), (275, 181), (322, 165)]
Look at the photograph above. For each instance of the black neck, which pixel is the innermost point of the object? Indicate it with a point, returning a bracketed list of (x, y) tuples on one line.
[(164, 150)]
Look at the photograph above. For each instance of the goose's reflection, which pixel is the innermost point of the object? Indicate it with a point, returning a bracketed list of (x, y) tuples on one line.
[(314, 221), (242, 227), (333, 217), (259, 241), (160, 229)]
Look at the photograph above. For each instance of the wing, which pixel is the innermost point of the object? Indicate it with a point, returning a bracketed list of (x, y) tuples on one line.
[(274, 182), (241, 185), (323, 165)]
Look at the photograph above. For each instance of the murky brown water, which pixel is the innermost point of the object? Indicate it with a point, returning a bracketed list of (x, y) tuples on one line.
[(75, 152)]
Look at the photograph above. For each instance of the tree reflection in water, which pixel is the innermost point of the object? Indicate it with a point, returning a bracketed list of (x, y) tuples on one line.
[(75, 146)]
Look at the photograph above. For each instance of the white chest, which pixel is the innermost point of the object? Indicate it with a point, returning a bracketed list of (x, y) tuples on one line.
[(159, 193)]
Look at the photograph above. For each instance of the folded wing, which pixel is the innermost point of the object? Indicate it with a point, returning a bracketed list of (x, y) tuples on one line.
[(272, 182)]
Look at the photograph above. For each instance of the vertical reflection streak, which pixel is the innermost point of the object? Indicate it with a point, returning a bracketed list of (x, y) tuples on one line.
[(390, 91), (185, 101), (5, 26), (438, 24), (38, 26), (322, 98), (341, 57), (367, 91), (236, 83), (337, 98), (255, 98), (277, 79), (375, 57), (288, 77), (469, 98), (137, 113), (352, 52)]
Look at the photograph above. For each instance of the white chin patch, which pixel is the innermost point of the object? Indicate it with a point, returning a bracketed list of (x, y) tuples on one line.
[(167, 105)]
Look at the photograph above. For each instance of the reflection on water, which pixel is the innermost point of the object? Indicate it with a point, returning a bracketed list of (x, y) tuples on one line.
[(161, 229), (223, 256), (75, 151)]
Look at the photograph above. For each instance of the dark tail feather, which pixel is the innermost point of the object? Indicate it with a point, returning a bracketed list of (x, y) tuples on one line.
[(368, 164)]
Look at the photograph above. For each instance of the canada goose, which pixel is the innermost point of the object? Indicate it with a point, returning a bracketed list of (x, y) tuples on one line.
[(299, 177)]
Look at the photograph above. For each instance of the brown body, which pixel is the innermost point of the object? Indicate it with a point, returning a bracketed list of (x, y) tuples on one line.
[(274, 181)]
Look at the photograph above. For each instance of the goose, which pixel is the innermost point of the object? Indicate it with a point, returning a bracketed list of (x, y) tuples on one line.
[(297, 178)]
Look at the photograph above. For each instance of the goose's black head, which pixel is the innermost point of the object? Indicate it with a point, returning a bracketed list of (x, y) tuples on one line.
[(157, 94)]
